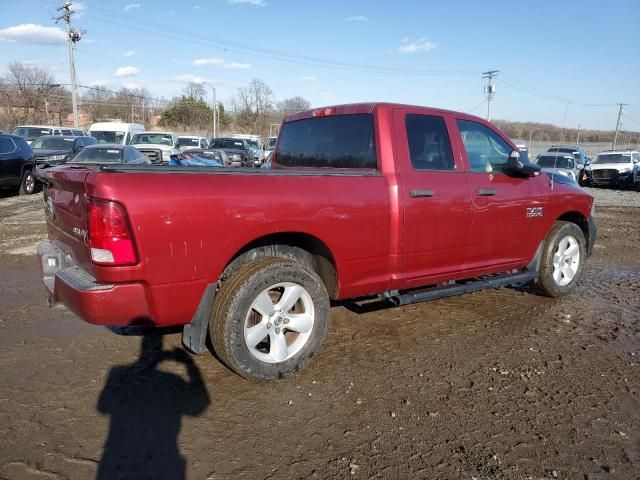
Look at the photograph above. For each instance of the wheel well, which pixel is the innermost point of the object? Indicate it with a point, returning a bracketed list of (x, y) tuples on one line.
[(579, 220), (299, 246)]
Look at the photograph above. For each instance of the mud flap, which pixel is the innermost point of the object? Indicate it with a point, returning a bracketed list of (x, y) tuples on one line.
[(194, 334), (534, 264)]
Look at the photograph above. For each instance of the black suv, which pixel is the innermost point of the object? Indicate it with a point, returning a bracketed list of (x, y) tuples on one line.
[(237, 149), (16, 164), (52, 150)]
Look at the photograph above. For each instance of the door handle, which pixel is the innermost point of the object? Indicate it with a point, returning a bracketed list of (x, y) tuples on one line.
[(485, 192), (421, 193)]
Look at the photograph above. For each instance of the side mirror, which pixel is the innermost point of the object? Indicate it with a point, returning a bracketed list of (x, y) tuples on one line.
[(635, 160), (177, 145), (518, 168), (77, 148)]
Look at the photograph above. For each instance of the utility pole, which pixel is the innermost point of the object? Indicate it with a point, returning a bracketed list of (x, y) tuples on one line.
[(578, 139), (489, 89), (615, 137), (73, 36)]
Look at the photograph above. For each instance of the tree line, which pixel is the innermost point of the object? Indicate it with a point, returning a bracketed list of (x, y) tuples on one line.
[(30, 95)]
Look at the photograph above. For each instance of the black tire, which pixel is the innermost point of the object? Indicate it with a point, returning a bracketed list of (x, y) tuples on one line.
[(546, 284), (27, 183), (232, 305)]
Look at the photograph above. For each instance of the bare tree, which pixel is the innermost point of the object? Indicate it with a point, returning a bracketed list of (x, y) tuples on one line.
[(194, 91), (28, 89), (292, 105), (253, 104)]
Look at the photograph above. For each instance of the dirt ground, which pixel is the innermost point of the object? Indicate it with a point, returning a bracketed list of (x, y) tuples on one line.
[(495, 384)]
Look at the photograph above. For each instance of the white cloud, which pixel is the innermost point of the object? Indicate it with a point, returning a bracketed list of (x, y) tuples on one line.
[(132, 85), (258, 3), (219, 62), (126, 71), (129, 53), (33, 33), (356, 18), (207, 61), (421, 45), (236, 66), (310, 78), (131, 6), (190, 77)]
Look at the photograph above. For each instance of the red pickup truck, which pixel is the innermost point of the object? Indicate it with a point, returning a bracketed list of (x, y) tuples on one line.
[(400, 202)]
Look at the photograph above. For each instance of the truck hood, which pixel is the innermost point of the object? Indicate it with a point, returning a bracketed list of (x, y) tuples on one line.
[(49, 152), (610, 166), (143, 146)]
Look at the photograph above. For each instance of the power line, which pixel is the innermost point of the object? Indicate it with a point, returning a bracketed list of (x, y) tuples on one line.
[(226, 45)]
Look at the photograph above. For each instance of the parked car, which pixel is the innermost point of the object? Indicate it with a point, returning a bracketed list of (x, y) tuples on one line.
[(200, 157), (157, 146), (52, 150), (16, 164), (577, 152), (255, 145), (114, 132), (269, 146), (384, 200), (237, 149), (616, 168), (31, 132), (104, 153), (562, 163), (188, 142)]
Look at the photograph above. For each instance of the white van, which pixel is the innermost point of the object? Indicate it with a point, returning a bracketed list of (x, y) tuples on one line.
[(114, 132)]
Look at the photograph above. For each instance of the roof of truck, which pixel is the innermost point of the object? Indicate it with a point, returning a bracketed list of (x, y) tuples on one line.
[(365, 107)]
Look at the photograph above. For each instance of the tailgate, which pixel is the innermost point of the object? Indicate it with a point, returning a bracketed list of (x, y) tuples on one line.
[(66, 211)]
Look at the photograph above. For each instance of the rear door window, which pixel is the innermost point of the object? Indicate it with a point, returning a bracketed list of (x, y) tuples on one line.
[(429, 145), (340, 141)]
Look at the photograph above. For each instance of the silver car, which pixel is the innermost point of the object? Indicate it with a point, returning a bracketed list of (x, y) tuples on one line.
[(558, 162)]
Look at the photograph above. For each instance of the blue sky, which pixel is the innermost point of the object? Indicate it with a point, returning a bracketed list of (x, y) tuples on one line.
[(548, 52)]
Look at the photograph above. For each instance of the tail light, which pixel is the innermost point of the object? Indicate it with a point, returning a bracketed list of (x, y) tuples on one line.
[(110, 238), (323, 112)]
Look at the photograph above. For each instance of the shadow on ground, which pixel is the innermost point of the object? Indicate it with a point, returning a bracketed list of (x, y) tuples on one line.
[(146, 406)]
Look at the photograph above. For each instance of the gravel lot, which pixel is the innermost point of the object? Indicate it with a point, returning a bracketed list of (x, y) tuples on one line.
[(496, 384)]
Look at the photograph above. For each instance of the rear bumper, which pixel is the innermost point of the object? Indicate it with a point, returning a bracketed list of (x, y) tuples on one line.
[(101, 304)]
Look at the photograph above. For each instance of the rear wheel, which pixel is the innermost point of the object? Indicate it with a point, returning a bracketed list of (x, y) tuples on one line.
[(562, 260), (28, 183), (269, 318)]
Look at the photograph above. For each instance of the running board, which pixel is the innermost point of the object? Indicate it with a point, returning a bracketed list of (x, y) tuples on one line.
[(448, 290)]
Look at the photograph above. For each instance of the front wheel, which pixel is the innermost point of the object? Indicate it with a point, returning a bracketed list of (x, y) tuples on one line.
[(562, 260), (269, 318), (28, 183)]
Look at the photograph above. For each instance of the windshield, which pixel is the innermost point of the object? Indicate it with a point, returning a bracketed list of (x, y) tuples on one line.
[(98, 155), (562, 150), (30, 133), (613, 158), (107, 137), (271, 143), (53, 143), (253, 144), (188, 142), (555, 162), (227, 143), (152, 139)]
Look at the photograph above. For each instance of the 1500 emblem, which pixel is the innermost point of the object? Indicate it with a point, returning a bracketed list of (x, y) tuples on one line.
[(533, 212), (80, 233)]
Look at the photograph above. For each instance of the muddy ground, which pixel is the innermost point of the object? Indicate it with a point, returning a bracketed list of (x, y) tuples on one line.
[(495, 384)]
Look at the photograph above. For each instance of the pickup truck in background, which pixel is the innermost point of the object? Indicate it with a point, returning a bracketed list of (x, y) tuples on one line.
[(398, 202)]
